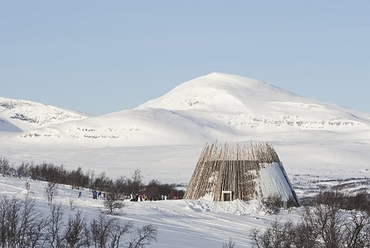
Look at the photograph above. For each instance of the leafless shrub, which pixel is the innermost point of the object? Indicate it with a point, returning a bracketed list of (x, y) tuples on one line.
[(31, 225), (54, 227), (110, 232), (23, 170), (230, 244), (72, 202), (137, 181), (117, 233), (76, 232), (101, 229), (113, 201), (326, 222), (278, 235), (20, 224), (274, 203), (357, 230), (51, 190), (323, 224), (4, 166), (143, 236)]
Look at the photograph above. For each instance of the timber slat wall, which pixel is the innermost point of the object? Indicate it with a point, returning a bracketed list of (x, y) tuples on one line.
[(229, 168)]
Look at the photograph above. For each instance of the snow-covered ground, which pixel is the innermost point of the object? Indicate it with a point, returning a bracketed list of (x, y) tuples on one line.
[(180, 223), (307, 158)]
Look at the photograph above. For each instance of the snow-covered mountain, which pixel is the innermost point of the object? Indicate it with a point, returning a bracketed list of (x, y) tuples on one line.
[(22, 116), (247, 104), (215, 106)]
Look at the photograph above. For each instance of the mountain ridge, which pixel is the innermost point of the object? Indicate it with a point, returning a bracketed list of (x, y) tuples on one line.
[(23, 115), (214, 106)]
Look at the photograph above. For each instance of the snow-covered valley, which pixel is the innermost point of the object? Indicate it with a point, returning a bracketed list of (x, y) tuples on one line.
[(321, 145)]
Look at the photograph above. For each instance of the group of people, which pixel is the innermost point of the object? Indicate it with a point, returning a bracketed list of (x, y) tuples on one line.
[(96, 194), (140, 197), (133, 197), (137, 197)]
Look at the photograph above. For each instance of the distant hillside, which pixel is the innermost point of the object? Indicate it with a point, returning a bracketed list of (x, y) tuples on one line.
[(215, 106), (22, 116), (248, 103)]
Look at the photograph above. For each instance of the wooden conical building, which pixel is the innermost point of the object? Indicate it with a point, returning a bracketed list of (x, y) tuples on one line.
[(225, 172)]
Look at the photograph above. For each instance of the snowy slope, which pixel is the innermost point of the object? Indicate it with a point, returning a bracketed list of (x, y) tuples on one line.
[(180, 223), (21, 115), (215, 106)]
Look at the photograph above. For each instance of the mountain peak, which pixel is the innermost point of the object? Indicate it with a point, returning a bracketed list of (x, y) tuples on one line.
[(220, 91)]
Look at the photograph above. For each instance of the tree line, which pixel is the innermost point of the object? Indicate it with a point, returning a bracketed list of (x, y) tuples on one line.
[(123, 186)]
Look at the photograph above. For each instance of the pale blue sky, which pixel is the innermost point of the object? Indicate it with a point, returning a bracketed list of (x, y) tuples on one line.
[(100, 57)]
